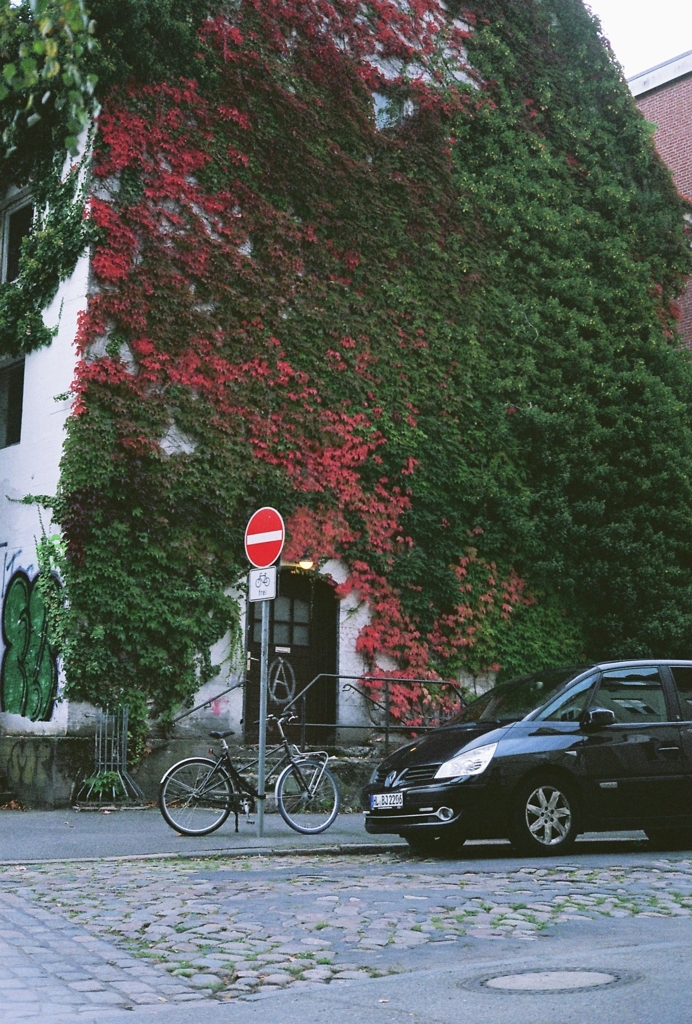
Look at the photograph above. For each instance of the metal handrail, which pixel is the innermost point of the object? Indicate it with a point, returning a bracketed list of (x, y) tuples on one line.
[(207, 703), (387, 727)]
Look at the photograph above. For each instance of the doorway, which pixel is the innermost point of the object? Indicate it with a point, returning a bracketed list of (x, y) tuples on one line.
[(302, 644)]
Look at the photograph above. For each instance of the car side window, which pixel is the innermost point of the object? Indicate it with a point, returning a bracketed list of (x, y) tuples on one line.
[(633, 695), (568, 706), (682, 674)]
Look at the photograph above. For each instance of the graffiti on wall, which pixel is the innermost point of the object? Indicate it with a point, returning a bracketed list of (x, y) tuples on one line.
[(30, 766), (29, 672)]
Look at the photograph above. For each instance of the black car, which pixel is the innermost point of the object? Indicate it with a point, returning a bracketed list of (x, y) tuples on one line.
[(545, 757)]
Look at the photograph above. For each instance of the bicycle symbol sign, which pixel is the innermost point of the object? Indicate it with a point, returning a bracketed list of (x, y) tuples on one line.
[(262, 584)]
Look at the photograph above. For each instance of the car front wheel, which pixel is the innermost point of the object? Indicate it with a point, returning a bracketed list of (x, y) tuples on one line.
[(545, 817)]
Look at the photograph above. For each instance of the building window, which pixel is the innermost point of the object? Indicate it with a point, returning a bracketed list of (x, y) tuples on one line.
[(391, 111), (289, 624), (15, 224), (11, 400)]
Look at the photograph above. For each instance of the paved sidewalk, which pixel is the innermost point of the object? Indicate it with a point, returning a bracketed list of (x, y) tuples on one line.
[(27, 836), (40, 836)]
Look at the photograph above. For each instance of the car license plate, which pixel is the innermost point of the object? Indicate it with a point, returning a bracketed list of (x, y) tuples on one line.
[(383, 801)]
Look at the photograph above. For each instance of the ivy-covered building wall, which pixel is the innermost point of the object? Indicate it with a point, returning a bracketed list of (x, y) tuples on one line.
[(406, 271)]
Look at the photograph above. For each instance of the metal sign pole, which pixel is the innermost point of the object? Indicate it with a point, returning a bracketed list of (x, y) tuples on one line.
[(265, 534), (264, 672)]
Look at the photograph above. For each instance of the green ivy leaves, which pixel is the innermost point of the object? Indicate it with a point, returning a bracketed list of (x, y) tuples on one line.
[(42, 48), (58, 238)]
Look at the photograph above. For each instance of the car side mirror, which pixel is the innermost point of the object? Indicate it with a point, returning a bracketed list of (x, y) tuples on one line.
[(597, 718)]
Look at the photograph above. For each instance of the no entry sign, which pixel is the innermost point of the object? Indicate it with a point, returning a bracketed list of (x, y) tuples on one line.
[(264, 537)]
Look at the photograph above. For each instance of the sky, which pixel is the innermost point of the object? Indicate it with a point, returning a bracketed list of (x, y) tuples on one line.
[(644, 34)]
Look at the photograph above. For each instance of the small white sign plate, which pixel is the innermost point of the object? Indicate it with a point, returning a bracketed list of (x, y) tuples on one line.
[(262, 584)]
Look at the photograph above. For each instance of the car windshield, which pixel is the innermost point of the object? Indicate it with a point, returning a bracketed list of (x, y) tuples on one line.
[(510, 702)]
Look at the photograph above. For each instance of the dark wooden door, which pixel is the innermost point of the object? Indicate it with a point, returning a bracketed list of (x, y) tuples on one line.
[(302, 644)]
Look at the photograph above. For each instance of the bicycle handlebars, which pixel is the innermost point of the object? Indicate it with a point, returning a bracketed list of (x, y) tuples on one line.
[(281, 719)]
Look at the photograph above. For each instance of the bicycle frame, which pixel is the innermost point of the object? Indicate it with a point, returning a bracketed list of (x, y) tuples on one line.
[(288, 756), (284, 758)]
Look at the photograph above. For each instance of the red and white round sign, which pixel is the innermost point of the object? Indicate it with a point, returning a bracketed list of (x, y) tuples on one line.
[(264, 537)]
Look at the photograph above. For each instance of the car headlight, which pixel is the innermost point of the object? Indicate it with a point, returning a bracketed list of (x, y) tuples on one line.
[(472, 762), (373, 777)]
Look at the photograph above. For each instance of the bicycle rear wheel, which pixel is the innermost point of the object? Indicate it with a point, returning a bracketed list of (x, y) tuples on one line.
[(195, 796), (308, 798)]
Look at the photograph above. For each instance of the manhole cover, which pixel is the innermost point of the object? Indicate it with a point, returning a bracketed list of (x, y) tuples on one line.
[(549, 981)]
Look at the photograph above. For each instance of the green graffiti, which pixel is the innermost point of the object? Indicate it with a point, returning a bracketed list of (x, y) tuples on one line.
[(29, 673)]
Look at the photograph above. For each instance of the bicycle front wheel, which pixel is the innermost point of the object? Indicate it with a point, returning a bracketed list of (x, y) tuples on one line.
[(308, 798), (195, 796)]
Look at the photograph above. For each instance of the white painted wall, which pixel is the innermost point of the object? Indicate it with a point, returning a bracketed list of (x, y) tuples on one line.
[(32, 466), (353, 615), (225, 712), (478, 684)]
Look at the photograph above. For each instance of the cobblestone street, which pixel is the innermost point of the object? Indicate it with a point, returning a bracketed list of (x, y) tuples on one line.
[(79, 936)]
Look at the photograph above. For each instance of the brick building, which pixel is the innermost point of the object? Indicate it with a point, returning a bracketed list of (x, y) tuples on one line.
[(664, 96)]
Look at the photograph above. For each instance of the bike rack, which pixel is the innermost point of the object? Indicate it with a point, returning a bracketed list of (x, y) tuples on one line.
[(110, 761)]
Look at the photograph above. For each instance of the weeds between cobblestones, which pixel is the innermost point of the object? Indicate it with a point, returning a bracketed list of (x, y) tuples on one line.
[(235, 929)]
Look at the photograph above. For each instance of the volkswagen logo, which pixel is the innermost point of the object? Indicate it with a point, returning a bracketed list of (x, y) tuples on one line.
[(389, 781)]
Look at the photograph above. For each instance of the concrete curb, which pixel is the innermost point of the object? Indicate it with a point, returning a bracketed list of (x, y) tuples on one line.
[(347, 849)]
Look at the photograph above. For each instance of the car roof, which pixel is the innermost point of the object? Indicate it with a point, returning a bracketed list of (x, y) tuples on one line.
[(641, 661)]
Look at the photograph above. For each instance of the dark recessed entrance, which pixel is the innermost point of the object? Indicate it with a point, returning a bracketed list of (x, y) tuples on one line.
[(302, 643)]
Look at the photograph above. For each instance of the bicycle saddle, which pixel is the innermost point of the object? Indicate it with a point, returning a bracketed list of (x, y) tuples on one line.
[(221, 735)]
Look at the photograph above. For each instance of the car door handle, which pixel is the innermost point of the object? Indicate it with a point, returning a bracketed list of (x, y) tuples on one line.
[(669, 748)]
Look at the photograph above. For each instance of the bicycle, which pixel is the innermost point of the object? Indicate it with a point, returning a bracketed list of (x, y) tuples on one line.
[(197, 795)]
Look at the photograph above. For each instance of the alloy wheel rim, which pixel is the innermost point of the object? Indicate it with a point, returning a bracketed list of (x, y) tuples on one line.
[(548, 815)]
